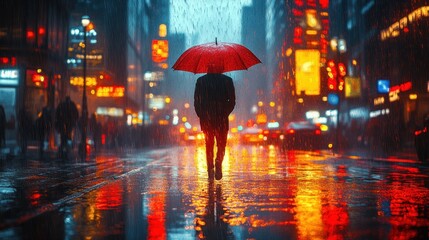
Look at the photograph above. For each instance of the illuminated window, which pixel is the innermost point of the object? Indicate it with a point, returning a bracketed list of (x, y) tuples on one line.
[(162, 32)]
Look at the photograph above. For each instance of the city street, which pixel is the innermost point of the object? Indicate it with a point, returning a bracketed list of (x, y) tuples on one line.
[(164, 193)]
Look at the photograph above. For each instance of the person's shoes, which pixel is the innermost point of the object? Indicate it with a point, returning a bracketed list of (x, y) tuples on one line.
[(218, 171)]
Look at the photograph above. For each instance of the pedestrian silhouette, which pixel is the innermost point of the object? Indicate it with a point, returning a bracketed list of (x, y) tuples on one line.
[(214, 100), (66, 117), (95, 130), (43, 127), (2, 127), (25, 127)]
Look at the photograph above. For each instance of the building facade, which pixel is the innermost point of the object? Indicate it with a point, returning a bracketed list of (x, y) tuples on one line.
[(387, 52), (33, 50)]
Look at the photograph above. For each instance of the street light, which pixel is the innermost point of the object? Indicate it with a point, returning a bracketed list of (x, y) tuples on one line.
[(82, 147), (338, 46)]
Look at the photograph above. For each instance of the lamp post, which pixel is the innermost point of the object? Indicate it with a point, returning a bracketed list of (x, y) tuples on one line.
[(338, 46), (82, 147)]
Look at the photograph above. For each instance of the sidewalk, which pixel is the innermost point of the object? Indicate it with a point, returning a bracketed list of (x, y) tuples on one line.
[(407, 154), (9, 151), (13, 151)]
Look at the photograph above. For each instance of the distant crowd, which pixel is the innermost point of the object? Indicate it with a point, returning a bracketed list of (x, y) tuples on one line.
[(61, 129)]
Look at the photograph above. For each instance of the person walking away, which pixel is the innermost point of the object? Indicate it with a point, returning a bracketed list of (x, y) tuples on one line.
[(43, 126), (2, 127), (25, 127), (66, 117), (214, 100)]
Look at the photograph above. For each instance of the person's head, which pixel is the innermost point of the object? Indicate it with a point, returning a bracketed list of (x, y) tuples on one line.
[(214, 68), (68, 99)]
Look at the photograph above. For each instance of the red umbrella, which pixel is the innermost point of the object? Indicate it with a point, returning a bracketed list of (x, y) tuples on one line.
[(225, 57)]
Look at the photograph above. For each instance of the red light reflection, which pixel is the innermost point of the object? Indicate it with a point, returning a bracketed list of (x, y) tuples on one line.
[(109, 197), (156, 217)]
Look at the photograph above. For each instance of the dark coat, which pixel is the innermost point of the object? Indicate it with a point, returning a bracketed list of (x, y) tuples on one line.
[(44, 123), (214, 100), (66, 116)]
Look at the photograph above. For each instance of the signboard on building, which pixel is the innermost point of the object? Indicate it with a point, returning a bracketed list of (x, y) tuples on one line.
[(9, 77), (110, 91), (307, 72), (159, 50), (383, 86), (156, 102), (353, 88)]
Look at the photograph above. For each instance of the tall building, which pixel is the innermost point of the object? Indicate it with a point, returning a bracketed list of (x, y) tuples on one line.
[(138, 52), (256, 87), (105, 49), (156, 82), (297, 44), (177, 42)]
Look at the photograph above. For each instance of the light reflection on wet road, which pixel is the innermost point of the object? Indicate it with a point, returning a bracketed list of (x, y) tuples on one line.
[(265, 194)]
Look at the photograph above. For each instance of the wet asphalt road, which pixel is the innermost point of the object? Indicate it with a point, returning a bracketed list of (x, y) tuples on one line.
[(165, 194)]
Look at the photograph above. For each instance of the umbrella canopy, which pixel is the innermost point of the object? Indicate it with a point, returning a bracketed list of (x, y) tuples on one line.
[(216, 58)]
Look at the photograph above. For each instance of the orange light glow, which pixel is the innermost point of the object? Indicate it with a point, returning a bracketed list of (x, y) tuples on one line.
[(159, 50), (78, 81), (110, 91)]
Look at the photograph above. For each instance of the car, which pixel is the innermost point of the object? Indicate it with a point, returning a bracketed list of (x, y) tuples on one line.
[(190, 135), (305, 135), (252, 135), (273, 134)]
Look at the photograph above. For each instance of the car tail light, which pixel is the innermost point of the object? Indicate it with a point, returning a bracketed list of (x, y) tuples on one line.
[(291, 131), (317, 132)]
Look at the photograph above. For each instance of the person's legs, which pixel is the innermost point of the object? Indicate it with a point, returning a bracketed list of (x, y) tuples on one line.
[(209, 140), (221, 138), (24, 143), (41, 144), (63, 144)]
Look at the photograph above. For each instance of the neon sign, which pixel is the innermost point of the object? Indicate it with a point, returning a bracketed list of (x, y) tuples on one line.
[(395, 90), (9, 76), (394, 30), (110, 91), (401, 87)]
